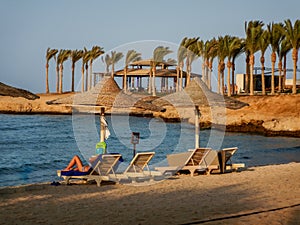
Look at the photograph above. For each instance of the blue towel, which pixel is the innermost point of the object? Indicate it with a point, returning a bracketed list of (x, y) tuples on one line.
[(75, 173)]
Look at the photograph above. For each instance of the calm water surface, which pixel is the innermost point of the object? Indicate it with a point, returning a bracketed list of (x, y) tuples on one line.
[(33, 147)]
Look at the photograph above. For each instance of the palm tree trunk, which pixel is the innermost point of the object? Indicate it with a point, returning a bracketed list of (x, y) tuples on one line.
[(177, 78), (187, 82), (61, 78), (203, 73), (91, 74), (125, 79), (279, 78), (209, 74), (57, 78), (219, 78), (263, 83), (273, 59), (86, 77), (228, 79), (47, 78), (251, 74), (222, 82), (73, 77), (295, 59), (247, 73), (284, 71), (188, 78), (232, 77), (113, 70), (181, 78), (206, 71), (82, 78)]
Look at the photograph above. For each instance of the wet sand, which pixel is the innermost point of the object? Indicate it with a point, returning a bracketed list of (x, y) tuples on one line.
[(258, 195)]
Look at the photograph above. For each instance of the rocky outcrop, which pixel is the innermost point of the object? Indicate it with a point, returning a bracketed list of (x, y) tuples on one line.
[(6, 90), (268, 115)]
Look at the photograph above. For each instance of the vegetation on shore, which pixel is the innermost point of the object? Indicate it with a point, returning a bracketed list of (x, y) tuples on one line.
[(281, 37)]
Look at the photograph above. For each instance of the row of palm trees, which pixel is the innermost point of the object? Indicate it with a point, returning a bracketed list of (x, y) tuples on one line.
[(110, 60), (87, 56), (281, 37)]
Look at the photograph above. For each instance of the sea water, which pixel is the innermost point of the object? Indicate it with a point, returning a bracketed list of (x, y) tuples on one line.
[(34, 147)]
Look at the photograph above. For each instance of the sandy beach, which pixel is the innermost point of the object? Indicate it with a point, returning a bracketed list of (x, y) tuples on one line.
[(258, 195)]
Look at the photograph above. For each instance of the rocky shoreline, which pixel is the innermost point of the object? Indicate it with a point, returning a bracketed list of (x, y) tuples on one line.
[(277, 115)]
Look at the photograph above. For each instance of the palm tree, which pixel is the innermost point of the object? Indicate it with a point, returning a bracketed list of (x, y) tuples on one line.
[(49, 54), (85, 60), (75, 56), (212, 54), (263, 44), (282, 51), (202, 50), (63, 55), (158, 57), (131, 56), (192, 50), (107, 61), (115, 57), (234, 47), (292, 34), (57, 74), (284, 66), (247, 59), (275, 31), (253, 32), (222, 54), (193, 53), (94, 53), (181, 55), (239, 49)]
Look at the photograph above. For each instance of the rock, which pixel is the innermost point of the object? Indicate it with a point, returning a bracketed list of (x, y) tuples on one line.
[(6, 90)]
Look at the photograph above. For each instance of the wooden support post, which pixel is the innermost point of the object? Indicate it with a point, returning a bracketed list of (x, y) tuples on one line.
[(197, 127), (102, 126)]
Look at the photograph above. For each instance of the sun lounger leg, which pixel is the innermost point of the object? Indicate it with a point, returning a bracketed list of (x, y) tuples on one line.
[(98, 181)]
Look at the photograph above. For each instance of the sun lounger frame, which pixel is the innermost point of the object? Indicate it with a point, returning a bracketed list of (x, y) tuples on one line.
[(97, 174)]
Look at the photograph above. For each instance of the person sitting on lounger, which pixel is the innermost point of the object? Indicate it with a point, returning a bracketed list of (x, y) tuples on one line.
[(77, 165)]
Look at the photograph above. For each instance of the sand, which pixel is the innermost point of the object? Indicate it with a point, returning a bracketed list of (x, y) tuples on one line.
[(258, 195)]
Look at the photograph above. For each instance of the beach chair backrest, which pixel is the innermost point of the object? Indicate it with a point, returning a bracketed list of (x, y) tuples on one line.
[(106, 164), (140, 161), (178, 159), (229, 152), (197, 156)]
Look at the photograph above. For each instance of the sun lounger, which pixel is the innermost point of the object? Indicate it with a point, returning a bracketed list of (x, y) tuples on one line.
[(199, 159), (139, 166), (104, 169), (225, 161)]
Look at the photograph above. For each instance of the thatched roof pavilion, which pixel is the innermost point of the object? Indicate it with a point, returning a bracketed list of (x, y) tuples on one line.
[(142, 69)]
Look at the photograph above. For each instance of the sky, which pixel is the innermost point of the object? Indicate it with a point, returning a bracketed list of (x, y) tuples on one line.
[(28, 28)]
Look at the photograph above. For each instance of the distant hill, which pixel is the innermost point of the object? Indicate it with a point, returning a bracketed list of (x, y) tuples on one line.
[(6, 90)]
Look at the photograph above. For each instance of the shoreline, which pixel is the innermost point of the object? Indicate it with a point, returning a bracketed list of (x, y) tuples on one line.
[(241, 128), (258, 195), (269, 116)]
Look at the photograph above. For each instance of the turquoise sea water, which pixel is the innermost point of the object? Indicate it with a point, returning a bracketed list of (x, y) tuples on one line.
[(33, 147)]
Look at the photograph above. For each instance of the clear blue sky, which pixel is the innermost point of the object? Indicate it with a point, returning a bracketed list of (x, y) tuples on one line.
[(28, 28)]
